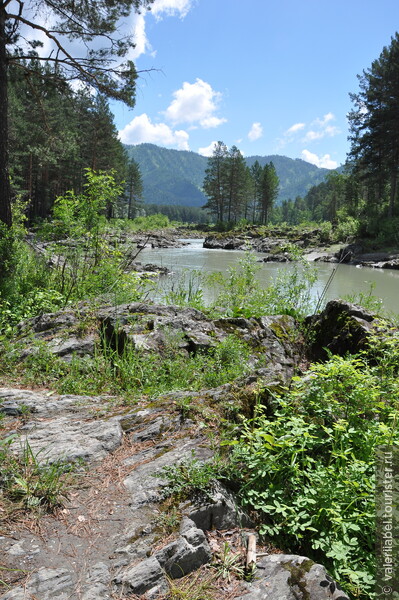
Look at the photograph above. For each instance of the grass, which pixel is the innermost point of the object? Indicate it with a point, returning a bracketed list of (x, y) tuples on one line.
[(29, 481), (133, 372)]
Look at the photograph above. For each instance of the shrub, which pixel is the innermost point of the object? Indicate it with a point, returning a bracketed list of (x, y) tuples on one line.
[(309, 469)]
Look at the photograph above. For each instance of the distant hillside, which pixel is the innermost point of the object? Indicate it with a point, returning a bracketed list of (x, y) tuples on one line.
[(176, 176)]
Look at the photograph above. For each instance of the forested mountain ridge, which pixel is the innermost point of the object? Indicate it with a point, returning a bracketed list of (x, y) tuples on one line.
[(176, 176)]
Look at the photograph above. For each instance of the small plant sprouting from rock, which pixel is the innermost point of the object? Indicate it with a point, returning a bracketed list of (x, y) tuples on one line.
[(191, 477), (228, 563), (168, 519), (30, 483)]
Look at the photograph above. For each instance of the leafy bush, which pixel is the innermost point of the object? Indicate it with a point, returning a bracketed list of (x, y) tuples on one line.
[(149, 223), (309, 469), (186, 290)]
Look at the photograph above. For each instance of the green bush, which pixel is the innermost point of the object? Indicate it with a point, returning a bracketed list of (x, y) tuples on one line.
[(309, 469), (239, 293)]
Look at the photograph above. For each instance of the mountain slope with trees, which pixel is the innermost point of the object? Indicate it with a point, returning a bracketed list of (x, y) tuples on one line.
[(176, 176)]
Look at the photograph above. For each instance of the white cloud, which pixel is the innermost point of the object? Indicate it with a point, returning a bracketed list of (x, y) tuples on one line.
[(294, 129), (160, 9), (321, 128), (211, 122), (208, 150), (255, 132), (326, 119), (171, 8), (141, 130), (142, 44), (311, 136), (324, 162), (195, 103)]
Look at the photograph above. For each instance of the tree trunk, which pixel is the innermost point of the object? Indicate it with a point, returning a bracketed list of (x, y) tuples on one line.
[(5, 190)]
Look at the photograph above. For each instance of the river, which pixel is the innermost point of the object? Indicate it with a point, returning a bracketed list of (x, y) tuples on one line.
[(347, 280)]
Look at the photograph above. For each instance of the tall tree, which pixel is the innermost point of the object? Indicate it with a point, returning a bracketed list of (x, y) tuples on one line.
[(134, 188), (256, 174), (216, 182), (238, 183), (95, 23), (269, 192), (374, 126)]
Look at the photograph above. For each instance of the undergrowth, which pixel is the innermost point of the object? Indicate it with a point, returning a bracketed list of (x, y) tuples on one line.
[(29, 480), (309, 468), (131, 373)]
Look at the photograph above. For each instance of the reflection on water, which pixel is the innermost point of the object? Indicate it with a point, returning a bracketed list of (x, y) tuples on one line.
[(347, 279)]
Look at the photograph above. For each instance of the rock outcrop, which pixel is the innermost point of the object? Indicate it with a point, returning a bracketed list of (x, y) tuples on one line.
[(149, 327), (108, 542), (116, 536), (341, 328)]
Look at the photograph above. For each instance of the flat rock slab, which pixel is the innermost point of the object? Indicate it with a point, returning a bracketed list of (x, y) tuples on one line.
[(61, 427), (70, 440), (291, 577)]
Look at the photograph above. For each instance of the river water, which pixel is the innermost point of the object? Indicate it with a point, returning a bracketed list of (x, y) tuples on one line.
[(347, 280)]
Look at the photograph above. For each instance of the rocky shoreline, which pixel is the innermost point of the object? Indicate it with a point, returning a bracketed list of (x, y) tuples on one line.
[(282, 249), (108, 541)]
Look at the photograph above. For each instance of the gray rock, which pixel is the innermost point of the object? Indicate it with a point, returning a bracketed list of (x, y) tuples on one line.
[(66, 348), (70, 440), (97, 583), (47, 403), (45, 584), (186, 554), (142, 577), (290, 577), (342, 328), (142, 484), (218, 511)]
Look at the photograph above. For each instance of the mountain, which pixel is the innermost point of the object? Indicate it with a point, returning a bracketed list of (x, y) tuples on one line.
[(176, 176)]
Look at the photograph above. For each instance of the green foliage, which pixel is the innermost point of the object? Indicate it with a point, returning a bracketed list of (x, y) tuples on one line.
[(241, 293), (186, 290), (228, 563), (347, 228), (366, 299), (149, 223), (133, 372), (309, 469), (191, 477), (199, 585), (29, 480), (75, 215), (374, 142), (55, 133)]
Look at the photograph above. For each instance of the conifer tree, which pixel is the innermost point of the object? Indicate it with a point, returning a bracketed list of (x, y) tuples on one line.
[(95, 23), (374, 127), (269, 192)]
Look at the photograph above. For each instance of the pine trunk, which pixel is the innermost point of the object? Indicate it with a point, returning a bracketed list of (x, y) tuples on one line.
[(5, 190)]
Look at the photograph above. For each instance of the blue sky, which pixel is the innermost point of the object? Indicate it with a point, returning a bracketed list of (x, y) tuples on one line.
[(270, 76)]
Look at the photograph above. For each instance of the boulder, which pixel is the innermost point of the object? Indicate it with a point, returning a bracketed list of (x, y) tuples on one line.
[(291, 577), (341, 328)]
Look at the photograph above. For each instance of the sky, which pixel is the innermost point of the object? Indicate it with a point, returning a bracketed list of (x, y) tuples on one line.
[(269, 76)]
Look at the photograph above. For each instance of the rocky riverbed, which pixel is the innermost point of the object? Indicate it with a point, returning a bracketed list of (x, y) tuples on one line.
[(114, 537)]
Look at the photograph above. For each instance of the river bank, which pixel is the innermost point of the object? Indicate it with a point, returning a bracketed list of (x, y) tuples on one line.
[(117, 531)]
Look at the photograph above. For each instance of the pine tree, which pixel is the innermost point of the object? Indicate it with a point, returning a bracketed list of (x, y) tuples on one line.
[(269, 192), (216, 182), (256, 174), (238, 184), (94, 22), (374, 126), (134, 189)]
